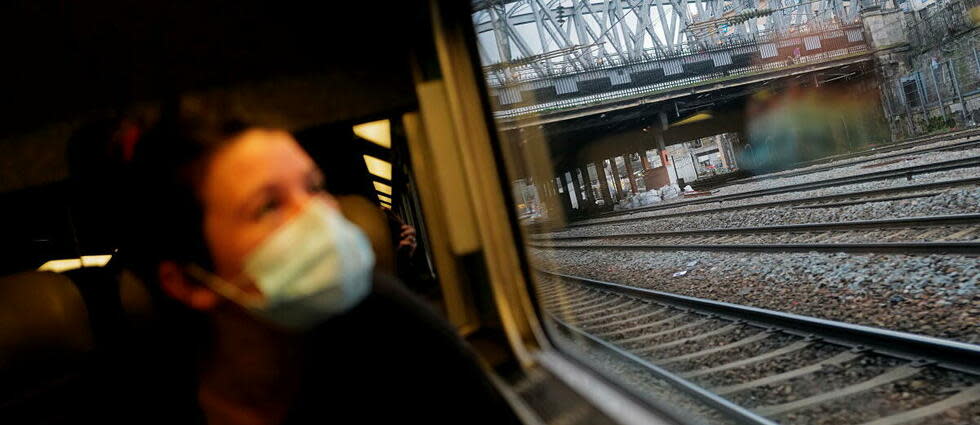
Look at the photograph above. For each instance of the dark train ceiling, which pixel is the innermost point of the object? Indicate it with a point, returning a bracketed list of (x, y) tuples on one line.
[(63, 59)]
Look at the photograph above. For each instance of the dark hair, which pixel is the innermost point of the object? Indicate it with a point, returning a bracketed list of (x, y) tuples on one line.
[(163, 220), (165, 211)]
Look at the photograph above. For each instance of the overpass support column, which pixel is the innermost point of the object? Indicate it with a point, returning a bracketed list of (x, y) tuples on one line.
[(644, 161), (620, 193), (545, 190), (571, 194), (653, 178), (722, 150), (587, 188), (600, 171), (629, 172), (661, 146), (662, 150), (563, 195)]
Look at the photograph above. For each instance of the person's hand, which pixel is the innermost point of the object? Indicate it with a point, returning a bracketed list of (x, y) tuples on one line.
[(407, 239)]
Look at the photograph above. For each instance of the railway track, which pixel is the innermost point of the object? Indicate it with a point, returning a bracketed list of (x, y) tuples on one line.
[(759, 366), (893, 147), (968, 144), (903, 172), (920, 190), (958, 233)]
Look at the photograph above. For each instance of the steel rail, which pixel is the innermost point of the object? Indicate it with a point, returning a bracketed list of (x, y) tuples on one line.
[(965, 248), (840, 181), (924, 221), (800, 172), (734, 411), (954, 355), (892, 147), (848, 195)]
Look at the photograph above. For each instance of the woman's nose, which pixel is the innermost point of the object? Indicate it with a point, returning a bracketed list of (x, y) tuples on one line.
[(299, 201)]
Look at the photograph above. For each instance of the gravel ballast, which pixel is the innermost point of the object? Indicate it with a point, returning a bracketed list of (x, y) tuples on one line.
[(929, 386), (956, 200), (842, 172), (827, 379), (870, 158), (932, 295), (644, 383), (771, 343), (926, 385)]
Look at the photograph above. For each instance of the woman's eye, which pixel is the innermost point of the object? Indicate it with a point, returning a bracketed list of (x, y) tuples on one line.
[(268, 207)]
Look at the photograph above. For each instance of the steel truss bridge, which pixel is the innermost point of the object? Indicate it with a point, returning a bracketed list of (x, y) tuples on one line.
[(543, 55)]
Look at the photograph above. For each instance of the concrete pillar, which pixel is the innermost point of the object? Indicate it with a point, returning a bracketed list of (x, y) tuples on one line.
[(647, 170), (644, 161), (653, 177), (600, 170), (659, 136), (629, 172), (722, 152), (662, 149), (569, 186), (548, 192), (561, 192), (587, 187), (619, 182)]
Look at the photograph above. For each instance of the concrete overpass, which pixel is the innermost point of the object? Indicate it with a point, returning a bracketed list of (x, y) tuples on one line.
[(578, 138), (584, 96)]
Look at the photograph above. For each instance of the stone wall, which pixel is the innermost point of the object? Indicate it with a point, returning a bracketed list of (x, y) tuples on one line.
[(886, 27)]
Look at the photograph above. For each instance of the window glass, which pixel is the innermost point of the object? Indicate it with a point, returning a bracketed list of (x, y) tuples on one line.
[(750, 211)]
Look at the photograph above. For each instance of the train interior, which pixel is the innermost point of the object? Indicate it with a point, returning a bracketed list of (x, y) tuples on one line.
[(89, 75)]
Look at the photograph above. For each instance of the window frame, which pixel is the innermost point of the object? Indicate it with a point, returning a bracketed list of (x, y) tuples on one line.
[(467, 109)]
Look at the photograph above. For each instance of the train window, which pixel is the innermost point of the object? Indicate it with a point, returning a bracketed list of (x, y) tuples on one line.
[(749, 212)]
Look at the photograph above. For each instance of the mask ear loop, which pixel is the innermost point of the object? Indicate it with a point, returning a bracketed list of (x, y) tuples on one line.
[(224, 288)]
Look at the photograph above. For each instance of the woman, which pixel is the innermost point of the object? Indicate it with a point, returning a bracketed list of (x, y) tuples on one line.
[(273, 313)]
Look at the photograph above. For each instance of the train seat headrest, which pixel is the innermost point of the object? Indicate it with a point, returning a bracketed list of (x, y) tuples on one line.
[(43, 316)]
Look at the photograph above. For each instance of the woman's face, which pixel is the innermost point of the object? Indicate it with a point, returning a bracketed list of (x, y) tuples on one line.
[(253, 185)]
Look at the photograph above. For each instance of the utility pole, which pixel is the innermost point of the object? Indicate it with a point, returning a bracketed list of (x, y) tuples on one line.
[(956, 88), (939, 95)]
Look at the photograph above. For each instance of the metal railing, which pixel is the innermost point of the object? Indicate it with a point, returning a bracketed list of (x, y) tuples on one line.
[(529, 69)]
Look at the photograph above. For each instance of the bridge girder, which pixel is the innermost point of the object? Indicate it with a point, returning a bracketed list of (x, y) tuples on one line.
[(631, 128), (555, 37)]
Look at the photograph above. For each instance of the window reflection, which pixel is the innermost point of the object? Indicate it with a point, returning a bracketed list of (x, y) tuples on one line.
[(703, 183)]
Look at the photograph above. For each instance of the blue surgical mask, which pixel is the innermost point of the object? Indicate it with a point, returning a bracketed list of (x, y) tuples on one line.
[(316, 266)]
